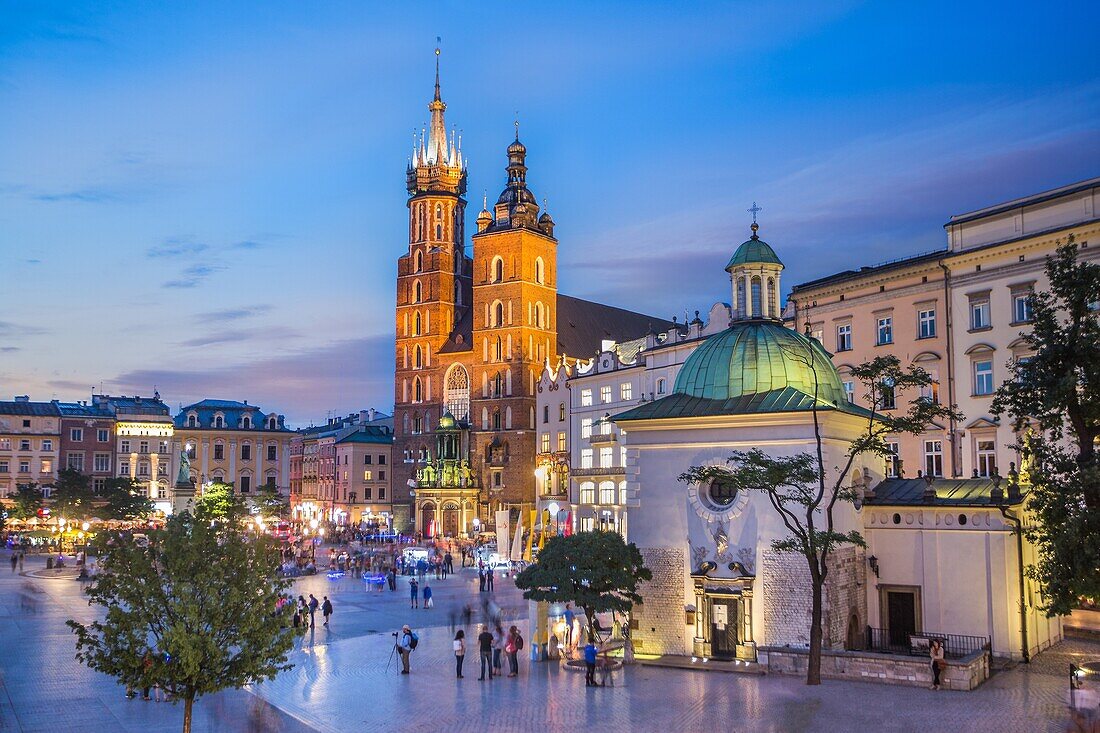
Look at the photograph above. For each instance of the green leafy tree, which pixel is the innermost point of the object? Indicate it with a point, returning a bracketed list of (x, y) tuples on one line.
[(26, 501), (597, 571), (1053, 400), (804, 492), (220, 501), (271, 504), (72, 495), (189, 609), (124, 500)]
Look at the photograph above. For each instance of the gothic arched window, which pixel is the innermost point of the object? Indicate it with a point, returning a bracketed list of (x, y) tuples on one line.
[(540, 271), (498, 269), (498, 314), (418, 357), (418, 390), (499, 349), (456, 392), (418, 292), (419, 261), (538, 315), (416, 324)]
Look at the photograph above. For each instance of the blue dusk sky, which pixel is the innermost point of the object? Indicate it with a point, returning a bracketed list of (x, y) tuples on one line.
[(209, 197)]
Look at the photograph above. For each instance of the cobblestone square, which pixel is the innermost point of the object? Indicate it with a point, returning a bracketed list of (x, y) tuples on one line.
[(344, 680)]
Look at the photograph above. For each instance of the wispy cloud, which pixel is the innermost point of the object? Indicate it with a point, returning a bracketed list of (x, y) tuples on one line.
[(242, 336), (176, 247), (193, 275), (9, 349), (90, 195), (9, 330), (232, 314), (33, 262), (247, 244)]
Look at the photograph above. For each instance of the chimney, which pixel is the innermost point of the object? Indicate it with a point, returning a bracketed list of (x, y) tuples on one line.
[(364, 416), (371, 413)]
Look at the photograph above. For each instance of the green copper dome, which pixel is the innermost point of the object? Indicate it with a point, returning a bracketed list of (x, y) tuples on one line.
[(752, 251), (758, 356)]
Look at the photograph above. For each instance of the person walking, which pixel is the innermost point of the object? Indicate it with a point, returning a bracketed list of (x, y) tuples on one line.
[(935, 651), (14, 561), (590, 664), (489, 580), (405, 644), (448, 564), (414, 593), (485, 648), (512, 648), (313, 604), (391, 577), (460, 652), (481, 579), (326, 609), (22, 557), (428, 603)]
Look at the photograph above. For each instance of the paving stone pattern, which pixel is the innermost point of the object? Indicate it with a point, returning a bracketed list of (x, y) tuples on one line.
[(343, 681)]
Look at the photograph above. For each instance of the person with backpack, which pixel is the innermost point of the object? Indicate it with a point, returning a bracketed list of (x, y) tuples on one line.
[(512, 648), (326, 609), (406, 644)]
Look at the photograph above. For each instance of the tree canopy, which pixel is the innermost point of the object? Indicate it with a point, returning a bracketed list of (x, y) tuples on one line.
[(1053, 400), (597, 571), (190, 608), (220, 501), (72, 495), (124, 500), (270, 503), (26, 501)]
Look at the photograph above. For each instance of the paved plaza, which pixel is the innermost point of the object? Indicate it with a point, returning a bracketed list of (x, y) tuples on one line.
[(344, 680)]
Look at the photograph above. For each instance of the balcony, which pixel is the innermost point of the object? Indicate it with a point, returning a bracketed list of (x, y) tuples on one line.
[(599, 471), (602, 438)]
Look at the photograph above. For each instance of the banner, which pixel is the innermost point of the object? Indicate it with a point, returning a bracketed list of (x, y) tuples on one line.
[(517, 542), (503, 538)]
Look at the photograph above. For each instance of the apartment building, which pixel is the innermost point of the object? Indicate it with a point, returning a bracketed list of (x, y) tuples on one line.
[(30, 444)]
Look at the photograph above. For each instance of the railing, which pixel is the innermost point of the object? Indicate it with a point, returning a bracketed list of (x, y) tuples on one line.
[(955, 646), (596, 438), (599, 471)]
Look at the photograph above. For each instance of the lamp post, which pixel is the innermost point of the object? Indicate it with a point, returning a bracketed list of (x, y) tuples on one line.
[(313, 524)]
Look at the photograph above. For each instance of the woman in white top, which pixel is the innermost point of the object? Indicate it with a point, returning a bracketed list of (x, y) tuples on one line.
[(935, 651), (460, 651)]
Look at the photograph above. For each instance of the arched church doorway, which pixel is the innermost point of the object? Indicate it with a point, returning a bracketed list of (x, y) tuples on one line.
[(427, 519), (450, 520), (854, 638)]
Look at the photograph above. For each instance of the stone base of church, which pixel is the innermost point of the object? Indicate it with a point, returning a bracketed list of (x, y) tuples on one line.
[(963, 674)]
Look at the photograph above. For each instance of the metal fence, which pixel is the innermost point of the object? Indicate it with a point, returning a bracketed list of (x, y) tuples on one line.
[(955, 646)]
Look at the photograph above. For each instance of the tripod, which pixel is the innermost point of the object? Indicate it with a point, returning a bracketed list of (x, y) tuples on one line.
[(393, 653)]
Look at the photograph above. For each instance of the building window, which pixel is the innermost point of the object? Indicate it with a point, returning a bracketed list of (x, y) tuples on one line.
[(246, 484), (892, 459), (885, 333), (626, 391), (219, 452), (926, 324), (24, 445), (498, 269), (844, 337), (102, 462), (886, 399), (987, 458), (561, 440), (539, 270), (381, 459), (850, 390), (660, 386), (192, 421), (586, 427), (47, 444), (191, 451), (24, 466), (561, 412), (607, 457), (219, 421), (123, 468), (931, 392), (607, 492), (246, 451), (143, 447), (381, 493), (75, 461), (102, 435), (983, 377), (586, 398), (367, 459), (246, 423), (586, 458), (605, 394), (3, 466), (545, 442), (1021, 308), (98, 484), (272, 452), (979, 314), (588, 492), (381, 475), (933, 458), (76, 435), (143, 469), (47, 465), (367, 475), (124, 446)]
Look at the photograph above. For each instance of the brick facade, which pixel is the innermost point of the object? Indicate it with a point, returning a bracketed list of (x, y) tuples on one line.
[(660, 619), (786, 592)]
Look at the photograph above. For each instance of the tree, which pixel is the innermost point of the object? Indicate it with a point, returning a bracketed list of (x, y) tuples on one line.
[(26, 501), (805, 493), (1053, 400), (72, 495), (190, 608), (219, 501), (125, 500), (271, 503), (597, 571)]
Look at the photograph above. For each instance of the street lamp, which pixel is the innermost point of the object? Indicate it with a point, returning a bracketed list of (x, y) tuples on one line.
[(313, 524)]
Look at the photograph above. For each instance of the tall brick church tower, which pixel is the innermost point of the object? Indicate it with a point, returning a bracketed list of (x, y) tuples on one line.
[(472, 337)]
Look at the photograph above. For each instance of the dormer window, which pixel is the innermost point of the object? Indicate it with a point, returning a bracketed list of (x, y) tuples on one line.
[(272, 423), (219, 420), (192, 420), (246, 422)]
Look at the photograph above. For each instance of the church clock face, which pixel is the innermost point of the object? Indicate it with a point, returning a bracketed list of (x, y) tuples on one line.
[(717, 500)]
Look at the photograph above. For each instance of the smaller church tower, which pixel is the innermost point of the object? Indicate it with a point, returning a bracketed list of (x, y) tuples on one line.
[(754, 273)]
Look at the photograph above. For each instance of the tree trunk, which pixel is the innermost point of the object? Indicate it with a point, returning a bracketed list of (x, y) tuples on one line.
[(590, 632), (187, 703), (813, 668)]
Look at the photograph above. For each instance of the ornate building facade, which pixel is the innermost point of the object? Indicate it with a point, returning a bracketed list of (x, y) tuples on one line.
[(475, 333)]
